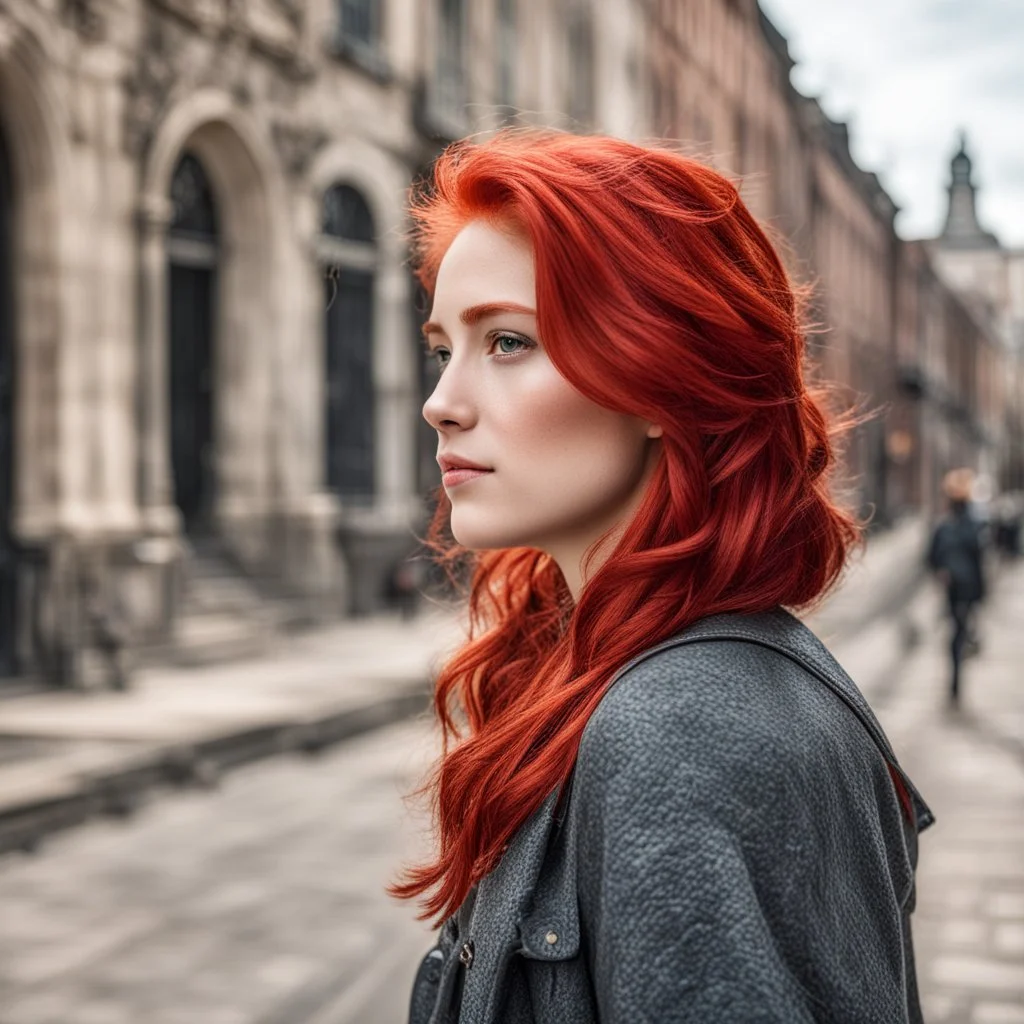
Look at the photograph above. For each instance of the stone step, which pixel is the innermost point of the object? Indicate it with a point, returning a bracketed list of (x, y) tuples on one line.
[(210, 638), (224, 616), (220, 594)]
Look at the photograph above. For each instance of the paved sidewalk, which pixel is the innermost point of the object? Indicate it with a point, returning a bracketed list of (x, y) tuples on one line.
[(66, 756), (874, 617), (879, 581), (969, 766)]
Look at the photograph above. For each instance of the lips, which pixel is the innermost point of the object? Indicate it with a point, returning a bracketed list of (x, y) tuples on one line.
[(450, 462), (456, 470), (454, 477)]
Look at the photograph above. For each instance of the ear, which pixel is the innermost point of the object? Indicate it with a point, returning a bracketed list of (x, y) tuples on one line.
[(654, 430)]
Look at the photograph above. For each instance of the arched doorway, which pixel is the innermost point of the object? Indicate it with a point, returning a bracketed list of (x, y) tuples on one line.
[(349, 243), (8, 562), (192, 251)]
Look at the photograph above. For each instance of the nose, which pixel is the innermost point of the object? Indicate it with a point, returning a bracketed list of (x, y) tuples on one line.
[(450, 405)]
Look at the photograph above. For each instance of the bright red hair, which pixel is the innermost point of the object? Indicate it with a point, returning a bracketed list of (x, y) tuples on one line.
[(659, 296)]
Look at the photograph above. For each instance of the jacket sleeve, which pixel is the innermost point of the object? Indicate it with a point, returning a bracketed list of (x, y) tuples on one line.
[(934, 554), (707, 868)]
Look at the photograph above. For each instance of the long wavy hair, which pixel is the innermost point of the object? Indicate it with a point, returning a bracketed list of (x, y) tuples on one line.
[(659, 296)]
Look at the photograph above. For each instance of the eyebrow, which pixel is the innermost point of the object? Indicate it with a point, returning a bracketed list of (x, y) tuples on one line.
[(474, 314)]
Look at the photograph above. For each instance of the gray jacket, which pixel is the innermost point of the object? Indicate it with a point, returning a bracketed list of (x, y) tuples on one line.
[(732, 849)]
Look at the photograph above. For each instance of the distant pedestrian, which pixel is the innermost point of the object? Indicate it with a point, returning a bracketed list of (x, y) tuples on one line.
[(1008, 527), (406, 583), (955, 555)]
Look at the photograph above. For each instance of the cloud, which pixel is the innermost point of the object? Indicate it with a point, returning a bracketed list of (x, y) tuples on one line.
[(909, 74)]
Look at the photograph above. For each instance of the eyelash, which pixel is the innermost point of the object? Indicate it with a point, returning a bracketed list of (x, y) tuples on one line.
[(435, 354)]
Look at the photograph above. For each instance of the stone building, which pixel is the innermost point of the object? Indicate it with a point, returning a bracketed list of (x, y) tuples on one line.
[(210, 365), (989, 278), (885, 324), (210, 369), (949, 366), (721, 81)]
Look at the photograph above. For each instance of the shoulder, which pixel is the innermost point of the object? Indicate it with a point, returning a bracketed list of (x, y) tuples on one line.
[(729, 708)]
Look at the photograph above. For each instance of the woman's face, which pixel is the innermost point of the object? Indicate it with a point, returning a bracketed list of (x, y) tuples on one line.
[(561, 470)]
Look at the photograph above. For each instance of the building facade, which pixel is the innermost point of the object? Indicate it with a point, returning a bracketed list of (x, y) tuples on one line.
[(210, 366), (917, 360), (989, 279), (210, 350)]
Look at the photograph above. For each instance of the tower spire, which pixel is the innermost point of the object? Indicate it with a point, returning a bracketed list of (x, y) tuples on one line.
[(962, 229)]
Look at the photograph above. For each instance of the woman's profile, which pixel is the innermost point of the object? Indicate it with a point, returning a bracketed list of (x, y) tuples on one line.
[(660, 797)]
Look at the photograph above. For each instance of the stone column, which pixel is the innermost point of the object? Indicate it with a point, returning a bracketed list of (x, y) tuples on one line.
[(395, 385), (159, 514)]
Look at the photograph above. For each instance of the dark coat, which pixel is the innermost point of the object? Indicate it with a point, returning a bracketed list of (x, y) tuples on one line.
[(956, 549), (732, 849)]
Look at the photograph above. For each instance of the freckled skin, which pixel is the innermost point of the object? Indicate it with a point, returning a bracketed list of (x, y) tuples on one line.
[(565, 469)]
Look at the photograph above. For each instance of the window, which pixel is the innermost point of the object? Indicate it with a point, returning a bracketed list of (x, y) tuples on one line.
[(192, 253), (360, 22), (358, 36), (348, 247), (505, 47), (741, 143), (580, 40), (192, 209), (346, 215), (450, 66)]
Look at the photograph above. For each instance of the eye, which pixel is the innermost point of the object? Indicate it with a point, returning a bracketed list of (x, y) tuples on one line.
[(502, 343), (439, 357), (510, 344)]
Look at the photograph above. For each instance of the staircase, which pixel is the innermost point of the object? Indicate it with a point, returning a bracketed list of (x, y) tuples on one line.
[(225, 614)]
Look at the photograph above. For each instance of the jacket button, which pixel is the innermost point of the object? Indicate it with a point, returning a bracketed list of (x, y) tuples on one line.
[(551, 938), (466, 954)]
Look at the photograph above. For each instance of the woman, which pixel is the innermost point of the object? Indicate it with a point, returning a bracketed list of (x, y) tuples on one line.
[(660, 798)]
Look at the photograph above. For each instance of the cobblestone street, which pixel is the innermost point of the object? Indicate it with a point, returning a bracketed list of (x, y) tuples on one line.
[(263, 903)]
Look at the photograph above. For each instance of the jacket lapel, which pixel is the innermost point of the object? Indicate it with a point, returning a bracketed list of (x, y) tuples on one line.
[(502, 900)]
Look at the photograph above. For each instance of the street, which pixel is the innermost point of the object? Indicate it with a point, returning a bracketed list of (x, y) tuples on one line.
[(969, 765), (263, 903)]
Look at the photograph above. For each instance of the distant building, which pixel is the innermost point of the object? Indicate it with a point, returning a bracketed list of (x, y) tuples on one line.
[(989, 278), (924, 362), (721, 86)]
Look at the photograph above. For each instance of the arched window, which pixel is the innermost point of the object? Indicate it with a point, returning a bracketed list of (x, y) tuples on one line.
[(348, 246), (8, 564), (192, 253), (346, 215), (450, 59), (193, 210)]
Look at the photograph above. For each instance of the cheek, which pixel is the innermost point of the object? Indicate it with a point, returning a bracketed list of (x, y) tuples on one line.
[(564, 464), (573, 448)]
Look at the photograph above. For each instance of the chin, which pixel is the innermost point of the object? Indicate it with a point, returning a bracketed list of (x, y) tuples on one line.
[(484, 536)]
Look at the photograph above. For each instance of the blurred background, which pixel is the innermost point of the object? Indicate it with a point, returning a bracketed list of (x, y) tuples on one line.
[(213, 465)]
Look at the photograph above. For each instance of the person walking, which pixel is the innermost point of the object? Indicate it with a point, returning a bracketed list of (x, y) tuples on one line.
[(660, 797), (955, 555)]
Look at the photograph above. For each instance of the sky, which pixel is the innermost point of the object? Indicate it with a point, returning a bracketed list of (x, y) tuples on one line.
[(908, 75)]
